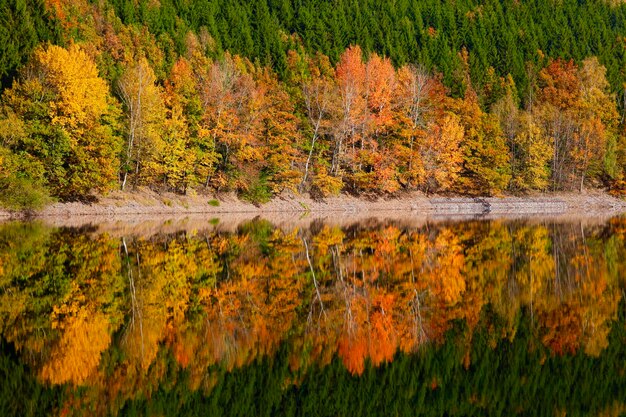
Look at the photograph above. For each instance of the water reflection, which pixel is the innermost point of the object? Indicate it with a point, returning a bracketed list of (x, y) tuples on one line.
[(107, 323)]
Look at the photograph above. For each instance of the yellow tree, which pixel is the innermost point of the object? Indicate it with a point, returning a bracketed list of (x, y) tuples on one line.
[(486, 159), (530, 146), (599, 120), (533, 149), (187, 157), (280, 131), (318, 93), (68, 114), (144, 111), (579, 114), (174, 163), (420, 104), (486, 168), (441, 154)]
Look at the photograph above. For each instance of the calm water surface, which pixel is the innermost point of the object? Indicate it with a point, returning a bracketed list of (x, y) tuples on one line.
[(372, 318)]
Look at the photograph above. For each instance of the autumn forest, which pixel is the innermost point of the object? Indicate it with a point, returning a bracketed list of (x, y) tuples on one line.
[(437, 306), (264, 97)]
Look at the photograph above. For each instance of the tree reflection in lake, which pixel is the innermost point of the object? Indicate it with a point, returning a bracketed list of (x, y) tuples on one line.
[(496, 317)]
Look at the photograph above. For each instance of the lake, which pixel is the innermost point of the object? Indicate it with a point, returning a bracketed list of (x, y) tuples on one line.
[(378, 317)]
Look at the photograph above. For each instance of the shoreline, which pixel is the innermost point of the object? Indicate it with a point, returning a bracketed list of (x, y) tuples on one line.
[(147, 204)]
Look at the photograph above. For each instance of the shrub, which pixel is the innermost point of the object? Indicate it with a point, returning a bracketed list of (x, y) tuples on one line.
[(18, 193), (258, 192)]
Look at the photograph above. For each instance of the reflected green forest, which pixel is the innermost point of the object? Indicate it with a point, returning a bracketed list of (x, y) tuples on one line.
[(378, 318)]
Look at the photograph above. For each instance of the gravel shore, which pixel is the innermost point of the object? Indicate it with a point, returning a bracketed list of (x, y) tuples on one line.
[(146, 204)]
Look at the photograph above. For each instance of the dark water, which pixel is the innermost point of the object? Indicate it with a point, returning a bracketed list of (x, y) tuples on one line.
[(375, 318)]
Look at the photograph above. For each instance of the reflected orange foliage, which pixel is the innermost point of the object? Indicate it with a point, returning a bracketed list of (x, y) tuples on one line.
[(206, 299)]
